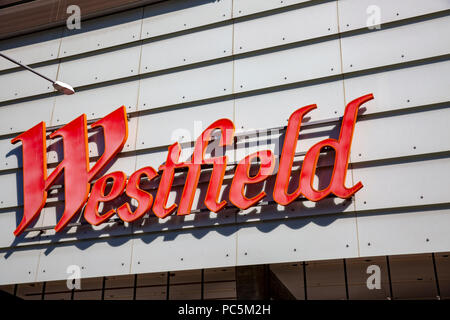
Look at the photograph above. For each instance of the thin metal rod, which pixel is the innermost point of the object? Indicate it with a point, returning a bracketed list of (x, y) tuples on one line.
[(202, 290), (135, 286), (43, 290), (438, 289), (346, 279), (26, 67), (391, 293), (167, 285), (304, 281), (103, 288)]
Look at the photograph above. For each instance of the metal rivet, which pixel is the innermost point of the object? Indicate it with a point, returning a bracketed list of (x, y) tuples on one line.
[(351, 65), (227, 255), (368, 244), (123, 263), (346, 245), (181, 259), (365, 202), (359, 154), (139, 262), (295, 249), (332, 69), (427, 239), (421, 197), (245, 253), (414, 147)]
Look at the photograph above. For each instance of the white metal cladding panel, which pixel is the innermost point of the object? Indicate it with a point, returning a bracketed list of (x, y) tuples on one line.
[(124, 164), (96, 102), (184, 86), (391, 233), (109, 65), (190, 222), (31, 48), (13, 87), (19, 265), (271, 110), (187, 123), (287, 66), (22, 116), (10, 154), (155, 158), (396, 45), (246, 7), (178, 15), (286, 27), (96, 258), (187, 48), (9, 220), (102, 33), (402, 88), (274, 141), (317, 238), (50, 216), (13, 192), (402, 135), (354, 14), (403, 184), (184, 250)]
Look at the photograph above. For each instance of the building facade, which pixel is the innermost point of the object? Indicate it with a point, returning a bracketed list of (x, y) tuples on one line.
[(177, 67)]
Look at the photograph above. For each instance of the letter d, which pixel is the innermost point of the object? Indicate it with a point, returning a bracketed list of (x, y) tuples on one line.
[(342, 148)]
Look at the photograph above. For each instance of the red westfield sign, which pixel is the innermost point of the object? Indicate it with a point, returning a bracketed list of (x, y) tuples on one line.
[(78, 174)]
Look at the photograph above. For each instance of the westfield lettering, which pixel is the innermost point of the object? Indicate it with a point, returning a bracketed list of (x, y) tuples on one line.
[(78, 175)]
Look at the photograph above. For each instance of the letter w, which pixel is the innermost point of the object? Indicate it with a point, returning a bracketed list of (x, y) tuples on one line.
[(75, 164)]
